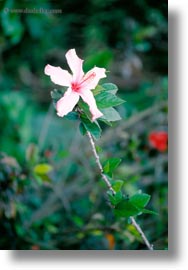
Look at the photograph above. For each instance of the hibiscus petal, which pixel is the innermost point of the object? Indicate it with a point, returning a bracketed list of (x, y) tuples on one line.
[(67, 102), (75, 64), (92, 77), (88, 98), (58, 75)]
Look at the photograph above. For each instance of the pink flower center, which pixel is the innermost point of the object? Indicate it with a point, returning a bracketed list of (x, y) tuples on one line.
[(85, 80), (75, 87)]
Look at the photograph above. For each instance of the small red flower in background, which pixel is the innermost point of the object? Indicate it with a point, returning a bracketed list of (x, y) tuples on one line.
[(35, 247), (48, 153), (158, 140)]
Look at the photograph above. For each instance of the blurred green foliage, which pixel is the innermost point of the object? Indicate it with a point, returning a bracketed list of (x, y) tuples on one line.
[(51, 196)]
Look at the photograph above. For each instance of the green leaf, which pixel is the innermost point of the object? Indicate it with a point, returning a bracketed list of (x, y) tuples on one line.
[(140, 200), (77, 220), (42, 178), (105, 121), (115, 199), (98, 89), (98, 149), (117, 185), (72, 116), (111, 164), (110, 87), (102, 98), (82, 129), (126, 209), (133, 206), (42, 169), (92, 127), (110, 114), (106, 100), (85, 108), (146, 211)]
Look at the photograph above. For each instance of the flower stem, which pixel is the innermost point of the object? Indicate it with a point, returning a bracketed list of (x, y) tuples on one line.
[(138, 228), (105, 179), (99, 163)]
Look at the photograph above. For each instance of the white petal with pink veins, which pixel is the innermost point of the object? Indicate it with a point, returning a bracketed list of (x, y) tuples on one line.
[(75, 64), (88, 98), (67, 102), (58, 75), (92, 77)]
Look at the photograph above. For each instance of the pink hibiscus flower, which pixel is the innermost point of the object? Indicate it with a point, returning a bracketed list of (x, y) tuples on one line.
[(79, 84)]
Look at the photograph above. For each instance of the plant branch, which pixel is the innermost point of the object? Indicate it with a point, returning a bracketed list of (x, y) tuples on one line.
[(138, 228), (99, 163), (120, 130), (133, 221)]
